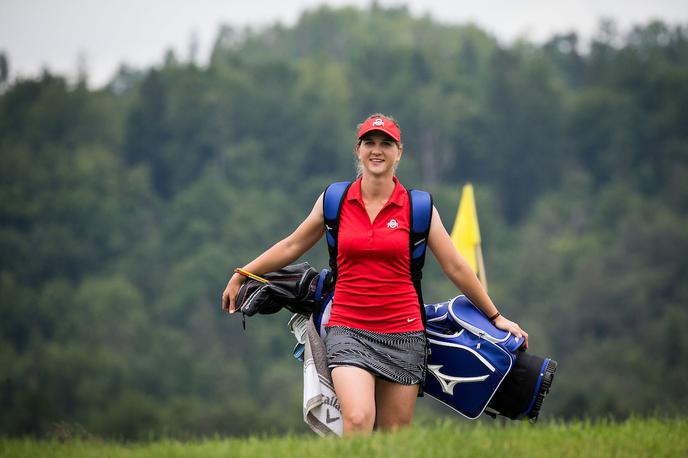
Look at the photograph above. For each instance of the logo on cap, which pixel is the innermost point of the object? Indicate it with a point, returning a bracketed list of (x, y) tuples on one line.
[(378, 122)]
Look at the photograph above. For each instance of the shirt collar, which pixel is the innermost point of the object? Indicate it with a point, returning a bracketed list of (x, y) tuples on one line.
[(396, 198)]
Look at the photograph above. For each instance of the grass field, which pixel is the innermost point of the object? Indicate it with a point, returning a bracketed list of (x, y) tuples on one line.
[(631, 438)]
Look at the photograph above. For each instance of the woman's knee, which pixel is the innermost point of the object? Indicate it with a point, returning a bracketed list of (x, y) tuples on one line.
[(359, 419)]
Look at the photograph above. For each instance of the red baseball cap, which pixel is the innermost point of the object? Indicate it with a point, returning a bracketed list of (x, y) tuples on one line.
[(382, 124)]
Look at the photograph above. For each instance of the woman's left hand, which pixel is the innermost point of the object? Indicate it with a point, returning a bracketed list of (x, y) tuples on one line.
[(507, 325)]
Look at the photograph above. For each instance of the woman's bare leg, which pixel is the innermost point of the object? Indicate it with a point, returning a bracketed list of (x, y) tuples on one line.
[(355, 390), (395, 404)]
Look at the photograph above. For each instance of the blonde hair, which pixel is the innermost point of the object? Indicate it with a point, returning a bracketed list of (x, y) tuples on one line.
[(357, 162)]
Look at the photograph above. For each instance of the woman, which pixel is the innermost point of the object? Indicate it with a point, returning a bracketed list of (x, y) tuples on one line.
[(375, 340)]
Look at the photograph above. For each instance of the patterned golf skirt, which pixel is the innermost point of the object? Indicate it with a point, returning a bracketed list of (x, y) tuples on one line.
[(398, 357)]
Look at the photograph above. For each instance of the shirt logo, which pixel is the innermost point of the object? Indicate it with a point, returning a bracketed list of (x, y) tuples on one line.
[(378, 122), (410, 320), (392, 224)]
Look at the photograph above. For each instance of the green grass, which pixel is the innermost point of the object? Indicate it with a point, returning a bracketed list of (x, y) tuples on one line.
[(631, 438)]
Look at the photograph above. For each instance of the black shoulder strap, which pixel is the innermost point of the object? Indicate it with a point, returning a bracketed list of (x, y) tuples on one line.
[(332, 207)]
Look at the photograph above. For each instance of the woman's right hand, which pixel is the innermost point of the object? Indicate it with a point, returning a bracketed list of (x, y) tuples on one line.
[(229, 295)]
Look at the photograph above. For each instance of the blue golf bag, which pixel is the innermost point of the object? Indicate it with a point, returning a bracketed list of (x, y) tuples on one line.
[(473, 367)]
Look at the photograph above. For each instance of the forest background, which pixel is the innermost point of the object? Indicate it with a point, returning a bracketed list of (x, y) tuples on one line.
[(124, 209)]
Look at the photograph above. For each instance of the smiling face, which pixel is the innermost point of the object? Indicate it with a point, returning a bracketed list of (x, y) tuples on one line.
[(378, 153)]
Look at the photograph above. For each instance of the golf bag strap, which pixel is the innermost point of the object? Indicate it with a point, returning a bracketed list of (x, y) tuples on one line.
[(421, 217), (332, 207)]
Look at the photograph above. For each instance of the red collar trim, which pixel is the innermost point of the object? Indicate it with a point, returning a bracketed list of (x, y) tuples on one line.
[(396, 198)]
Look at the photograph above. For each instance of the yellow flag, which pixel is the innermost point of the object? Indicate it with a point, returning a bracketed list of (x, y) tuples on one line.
[(466, 233)]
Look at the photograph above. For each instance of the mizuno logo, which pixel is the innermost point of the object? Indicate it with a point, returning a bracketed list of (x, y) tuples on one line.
[(448, 382)]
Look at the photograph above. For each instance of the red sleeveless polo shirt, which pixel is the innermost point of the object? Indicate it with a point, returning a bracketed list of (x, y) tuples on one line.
[(374, 289)]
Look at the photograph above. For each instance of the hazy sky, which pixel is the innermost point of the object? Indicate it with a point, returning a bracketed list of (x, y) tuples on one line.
[(54, 33)]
